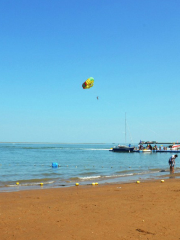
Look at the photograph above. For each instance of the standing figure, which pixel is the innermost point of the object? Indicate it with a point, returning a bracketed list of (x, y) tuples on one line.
[(172, 162)]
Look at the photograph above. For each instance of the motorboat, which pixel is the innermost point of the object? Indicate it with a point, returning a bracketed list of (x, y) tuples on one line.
[(175, 147), (147, 150)]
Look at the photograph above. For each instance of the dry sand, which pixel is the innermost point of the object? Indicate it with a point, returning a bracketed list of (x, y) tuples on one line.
[(149, 210)]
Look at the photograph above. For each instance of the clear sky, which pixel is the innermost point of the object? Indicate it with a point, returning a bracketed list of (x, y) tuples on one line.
[(49, 48)]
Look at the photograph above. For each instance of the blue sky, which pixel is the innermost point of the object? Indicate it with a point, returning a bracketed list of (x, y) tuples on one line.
[(49, 48)]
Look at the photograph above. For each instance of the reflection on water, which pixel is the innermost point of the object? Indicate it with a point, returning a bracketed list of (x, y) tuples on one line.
[(171, 169), (172, 175)]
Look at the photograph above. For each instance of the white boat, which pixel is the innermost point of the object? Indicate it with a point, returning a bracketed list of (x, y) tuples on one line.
[(147, 151)]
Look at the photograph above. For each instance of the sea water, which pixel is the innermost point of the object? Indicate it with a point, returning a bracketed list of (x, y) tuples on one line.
[(27, 165)]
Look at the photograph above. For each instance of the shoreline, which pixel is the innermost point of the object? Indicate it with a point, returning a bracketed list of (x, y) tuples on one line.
[(23, 185), (51, 143), (149, 210)]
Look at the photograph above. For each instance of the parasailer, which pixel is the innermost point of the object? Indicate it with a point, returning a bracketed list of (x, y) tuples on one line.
[(88, 83)]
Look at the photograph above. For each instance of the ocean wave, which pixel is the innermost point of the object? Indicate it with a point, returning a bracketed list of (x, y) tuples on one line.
[(89, 177), (96, 149), (119, 175), (29, 184)]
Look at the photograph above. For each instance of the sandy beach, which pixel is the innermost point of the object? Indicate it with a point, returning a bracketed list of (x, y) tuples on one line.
[(149, 210)]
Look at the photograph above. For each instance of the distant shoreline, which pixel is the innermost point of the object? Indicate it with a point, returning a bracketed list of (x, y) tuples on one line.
[(52, 143)]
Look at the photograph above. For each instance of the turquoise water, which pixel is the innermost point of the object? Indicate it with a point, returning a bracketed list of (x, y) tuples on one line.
[(31, 164)]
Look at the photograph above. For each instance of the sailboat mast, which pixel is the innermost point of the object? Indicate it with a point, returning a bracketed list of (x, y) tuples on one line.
[(125, 127)]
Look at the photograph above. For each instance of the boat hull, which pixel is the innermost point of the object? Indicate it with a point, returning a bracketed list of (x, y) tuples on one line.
[(130, 149)]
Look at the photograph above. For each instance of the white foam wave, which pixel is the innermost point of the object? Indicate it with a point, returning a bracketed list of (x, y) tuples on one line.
[(90, 177), (95, 149), (28, 184), (120, 175)]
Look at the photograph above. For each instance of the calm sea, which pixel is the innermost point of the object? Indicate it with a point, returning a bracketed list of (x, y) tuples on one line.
[(31, 164)]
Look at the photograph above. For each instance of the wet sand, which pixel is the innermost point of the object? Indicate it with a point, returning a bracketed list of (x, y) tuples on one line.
[(149, 210)]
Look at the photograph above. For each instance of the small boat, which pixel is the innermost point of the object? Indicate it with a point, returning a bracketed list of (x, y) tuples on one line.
[(176, 147), (147, 150), (122, 148)]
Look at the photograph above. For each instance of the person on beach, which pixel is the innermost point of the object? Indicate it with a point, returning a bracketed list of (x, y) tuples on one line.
[(172, 162)]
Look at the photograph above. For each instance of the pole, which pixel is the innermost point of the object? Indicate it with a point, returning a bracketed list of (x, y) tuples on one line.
[(125, 127)]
